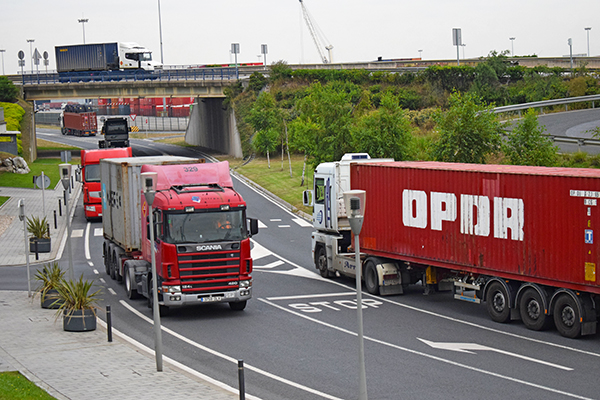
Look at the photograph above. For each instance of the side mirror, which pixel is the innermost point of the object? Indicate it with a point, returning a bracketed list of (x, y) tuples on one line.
[(307, 198), (253, 226)]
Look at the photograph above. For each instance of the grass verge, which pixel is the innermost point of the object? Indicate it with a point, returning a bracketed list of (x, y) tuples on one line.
[(277, 179), (14, 386), (48, 165)]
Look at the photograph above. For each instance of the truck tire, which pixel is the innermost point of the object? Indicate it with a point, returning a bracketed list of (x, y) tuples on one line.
[(238, 305), (321, 262), (371, 277), (131, 291), (567, 317), (105, 254), (532, 311), (497, 302), (112, 266), (116, 261)]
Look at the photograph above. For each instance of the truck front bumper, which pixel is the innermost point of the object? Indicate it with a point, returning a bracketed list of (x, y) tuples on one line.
[(183, 299)]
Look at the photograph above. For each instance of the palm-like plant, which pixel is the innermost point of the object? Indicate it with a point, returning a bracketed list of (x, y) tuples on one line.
[(38, 227), (77, 296), (51, 276)]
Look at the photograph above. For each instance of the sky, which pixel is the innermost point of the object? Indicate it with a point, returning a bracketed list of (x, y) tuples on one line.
[(199, 32)]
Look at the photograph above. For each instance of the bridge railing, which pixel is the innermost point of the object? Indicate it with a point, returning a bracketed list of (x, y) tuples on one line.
[(202, 74)]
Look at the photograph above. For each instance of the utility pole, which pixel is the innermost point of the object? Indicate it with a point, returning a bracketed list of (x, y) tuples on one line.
[(82, 21)]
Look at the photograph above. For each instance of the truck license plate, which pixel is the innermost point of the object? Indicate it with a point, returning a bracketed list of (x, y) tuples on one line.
[(209, 299)]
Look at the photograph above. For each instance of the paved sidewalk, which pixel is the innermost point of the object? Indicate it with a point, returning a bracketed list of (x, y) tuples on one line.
[(84, 365)]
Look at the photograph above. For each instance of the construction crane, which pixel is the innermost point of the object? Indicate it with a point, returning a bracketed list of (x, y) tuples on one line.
[(317, 35)]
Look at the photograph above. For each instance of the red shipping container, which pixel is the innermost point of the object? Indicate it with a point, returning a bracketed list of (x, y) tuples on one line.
[(525, 223)]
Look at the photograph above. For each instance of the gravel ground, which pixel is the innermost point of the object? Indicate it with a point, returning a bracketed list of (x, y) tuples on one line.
[(5, 222)]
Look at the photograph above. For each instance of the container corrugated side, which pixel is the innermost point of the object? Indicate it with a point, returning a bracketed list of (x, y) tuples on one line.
[(531, 222), (87, 57)]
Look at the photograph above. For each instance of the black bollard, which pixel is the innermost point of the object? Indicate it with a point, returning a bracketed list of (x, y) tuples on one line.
[(59, 208), (35, 246), (241, 379), (48, 229), (55, 222), (108, 323)]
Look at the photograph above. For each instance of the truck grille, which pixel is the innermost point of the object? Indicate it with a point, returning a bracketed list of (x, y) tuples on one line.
[(208, 271)]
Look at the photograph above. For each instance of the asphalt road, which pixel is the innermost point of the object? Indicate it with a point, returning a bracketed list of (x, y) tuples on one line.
[(297, 336)]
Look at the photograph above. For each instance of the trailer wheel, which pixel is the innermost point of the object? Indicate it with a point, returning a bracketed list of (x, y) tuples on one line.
[(106, 259), (497, 302), (112, 265), (238, 305), (321, 262), (131, 292), (116, 262), (532, 311), (371, 278), (567, 317)]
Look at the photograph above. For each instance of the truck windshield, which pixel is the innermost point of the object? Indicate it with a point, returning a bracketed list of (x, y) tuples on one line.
[(92, 173), (203, 227)]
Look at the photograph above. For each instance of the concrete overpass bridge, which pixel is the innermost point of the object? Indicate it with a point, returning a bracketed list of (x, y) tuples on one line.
[(211, 125)]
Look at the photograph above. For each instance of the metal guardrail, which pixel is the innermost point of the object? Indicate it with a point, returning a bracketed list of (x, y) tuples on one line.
[(548, 103)]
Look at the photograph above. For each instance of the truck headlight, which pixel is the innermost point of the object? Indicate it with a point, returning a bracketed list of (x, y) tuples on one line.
[(171, 289), (246, 283)]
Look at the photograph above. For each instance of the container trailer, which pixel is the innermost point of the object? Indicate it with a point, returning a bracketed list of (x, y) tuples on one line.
[(78, 120), (202, 235), (521, 239)]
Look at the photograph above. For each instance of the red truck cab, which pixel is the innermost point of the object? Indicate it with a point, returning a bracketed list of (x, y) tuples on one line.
[(90, 177)]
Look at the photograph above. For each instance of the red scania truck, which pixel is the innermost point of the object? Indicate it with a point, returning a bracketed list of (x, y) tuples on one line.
[(202, 235), (90, 177), (519, 238)]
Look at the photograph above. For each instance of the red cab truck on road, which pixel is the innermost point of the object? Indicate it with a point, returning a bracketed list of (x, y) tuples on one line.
[(522, 239), (202, 235), (90, 177)]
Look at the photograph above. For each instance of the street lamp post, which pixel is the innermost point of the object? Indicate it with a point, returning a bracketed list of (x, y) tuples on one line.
[(65, 179), (354, 200), (420, 54), (512, 46), (30, 41), (235, 49), (82, 21), (2, 51), (570, 42), (263, 50), (588, 29), (160, 34), (149, 184)]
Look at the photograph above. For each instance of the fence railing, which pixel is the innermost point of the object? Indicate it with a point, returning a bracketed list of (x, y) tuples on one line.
[(549, 103)]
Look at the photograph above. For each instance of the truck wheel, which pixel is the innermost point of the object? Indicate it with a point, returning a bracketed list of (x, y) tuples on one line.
[(106, 259), (131, 292), (63, 131), (321, 262), (112, 266), (371, 278), (238, 305), (567, 317), (532, 311), (497, 302), (116, 262)]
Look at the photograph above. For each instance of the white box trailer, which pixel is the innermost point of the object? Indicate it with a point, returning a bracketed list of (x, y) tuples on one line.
[(121, 196)]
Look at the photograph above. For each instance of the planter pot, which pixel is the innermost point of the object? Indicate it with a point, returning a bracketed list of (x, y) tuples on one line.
[(43, 245), (79, 320), (51, 299)]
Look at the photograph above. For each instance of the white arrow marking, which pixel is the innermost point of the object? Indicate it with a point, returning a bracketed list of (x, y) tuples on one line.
[(465, 347)]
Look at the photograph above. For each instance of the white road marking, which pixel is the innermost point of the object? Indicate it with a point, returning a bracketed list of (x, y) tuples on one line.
[(76, 233), (258, 251), (275, 220), (283, 226), (302, 222), (465, 347), (112, 291), (98, 232), (87, 241), (270, 265), (419, 353), (228, 358), (311, 296), (96, 271), (261, 225)]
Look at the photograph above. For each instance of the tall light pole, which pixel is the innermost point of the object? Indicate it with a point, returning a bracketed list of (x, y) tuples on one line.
[(235, 49), (160, 34), (512, 46), (65, 179), (264, 51), (588, 29), (2, 51), (149, 185), (420, 54), (82, 21), (30, 41), (570, 42), (354, 201)]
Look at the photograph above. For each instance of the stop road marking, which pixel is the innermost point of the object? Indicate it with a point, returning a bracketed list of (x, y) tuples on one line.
[(319, 306)]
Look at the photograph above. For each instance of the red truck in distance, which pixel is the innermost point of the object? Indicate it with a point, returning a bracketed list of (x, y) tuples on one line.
[(202, 235), (90, 178), (78, 120), (519, 238)]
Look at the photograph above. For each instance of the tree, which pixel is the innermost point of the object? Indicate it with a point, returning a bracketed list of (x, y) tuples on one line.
[(527, 145), (385, 132), (469, 131), (8, 91), (266, 119)]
